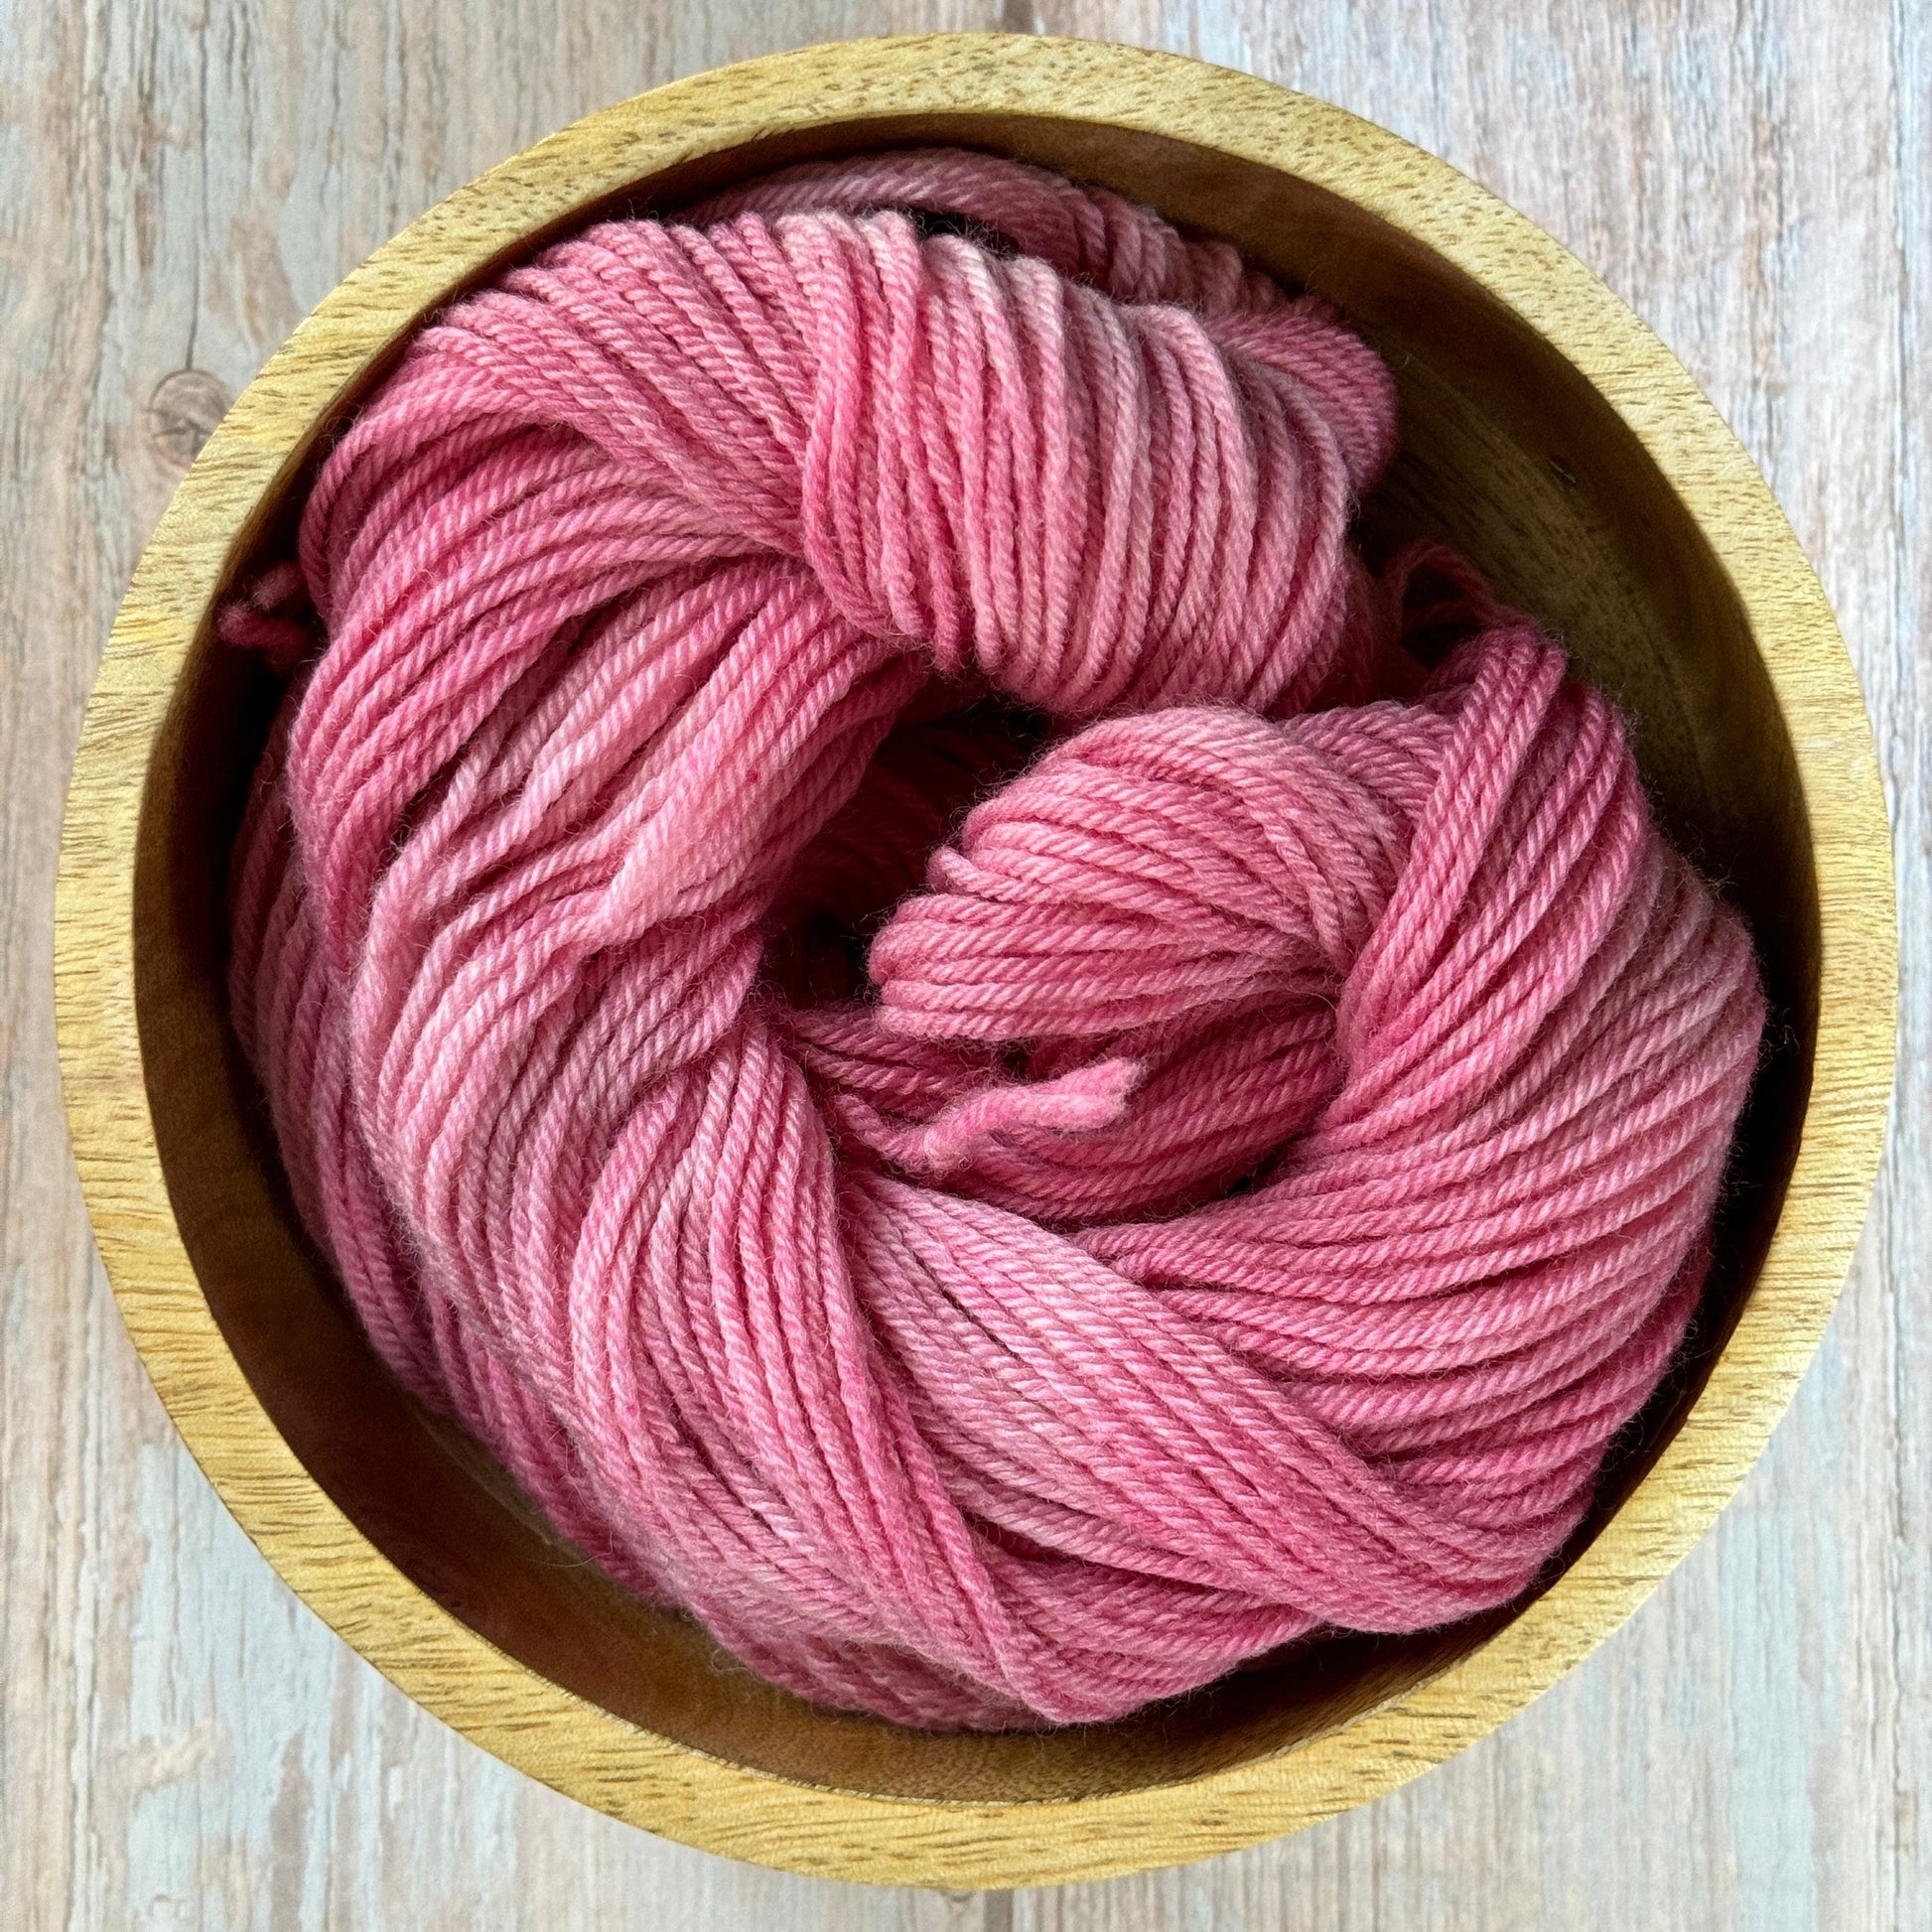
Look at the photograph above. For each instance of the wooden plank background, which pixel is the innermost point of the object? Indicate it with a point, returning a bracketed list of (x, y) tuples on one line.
[(182, 1744)]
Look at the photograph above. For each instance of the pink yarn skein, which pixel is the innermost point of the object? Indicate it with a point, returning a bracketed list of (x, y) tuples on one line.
[(1274, 1154)]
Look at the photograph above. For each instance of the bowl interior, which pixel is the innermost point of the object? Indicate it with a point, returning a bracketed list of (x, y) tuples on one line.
[(1507, 453)]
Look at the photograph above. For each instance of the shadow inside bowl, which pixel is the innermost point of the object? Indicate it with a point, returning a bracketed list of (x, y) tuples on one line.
[(1508, 454)]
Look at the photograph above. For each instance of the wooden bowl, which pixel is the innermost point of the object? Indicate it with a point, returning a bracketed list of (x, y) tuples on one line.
[(1546, 432)]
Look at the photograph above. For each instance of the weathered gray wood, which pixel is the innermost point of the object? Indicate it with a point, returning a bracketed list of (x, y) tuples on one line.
[(182, 1743)]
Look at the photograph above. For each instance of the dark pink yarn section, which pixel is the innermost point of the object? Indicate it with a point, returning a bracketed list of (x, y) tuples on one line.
[(870, 962)]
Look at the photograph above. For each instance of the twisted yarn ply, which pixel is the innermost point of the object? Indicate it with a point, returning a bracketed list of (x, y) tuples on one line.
[(870, 962)]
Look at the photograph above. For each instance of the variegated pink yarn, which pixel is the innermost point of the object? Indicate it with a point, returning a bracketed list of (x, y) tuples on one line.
[(872, 963)]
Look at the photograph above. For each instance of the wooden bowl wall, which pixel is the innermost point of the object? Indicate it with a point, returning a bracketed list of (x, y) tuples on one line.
[(1545, 433)]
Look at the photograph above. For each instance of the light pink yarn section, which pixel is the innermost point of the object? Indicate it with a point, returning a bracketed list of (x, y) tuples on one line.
[(1266, 1152)]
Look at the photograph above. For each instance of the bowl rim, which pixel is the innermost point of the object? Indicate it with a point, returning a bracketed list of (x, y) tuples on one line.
[(653, 1780)]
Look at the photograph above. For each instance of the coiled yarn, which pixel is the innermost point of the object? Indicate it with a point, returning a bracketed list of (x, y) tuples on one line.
[(870, 962)]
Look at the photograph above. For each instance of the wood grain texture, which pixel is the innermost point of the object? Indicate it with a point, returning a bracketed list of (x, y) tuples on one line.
[(182, 1746)]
